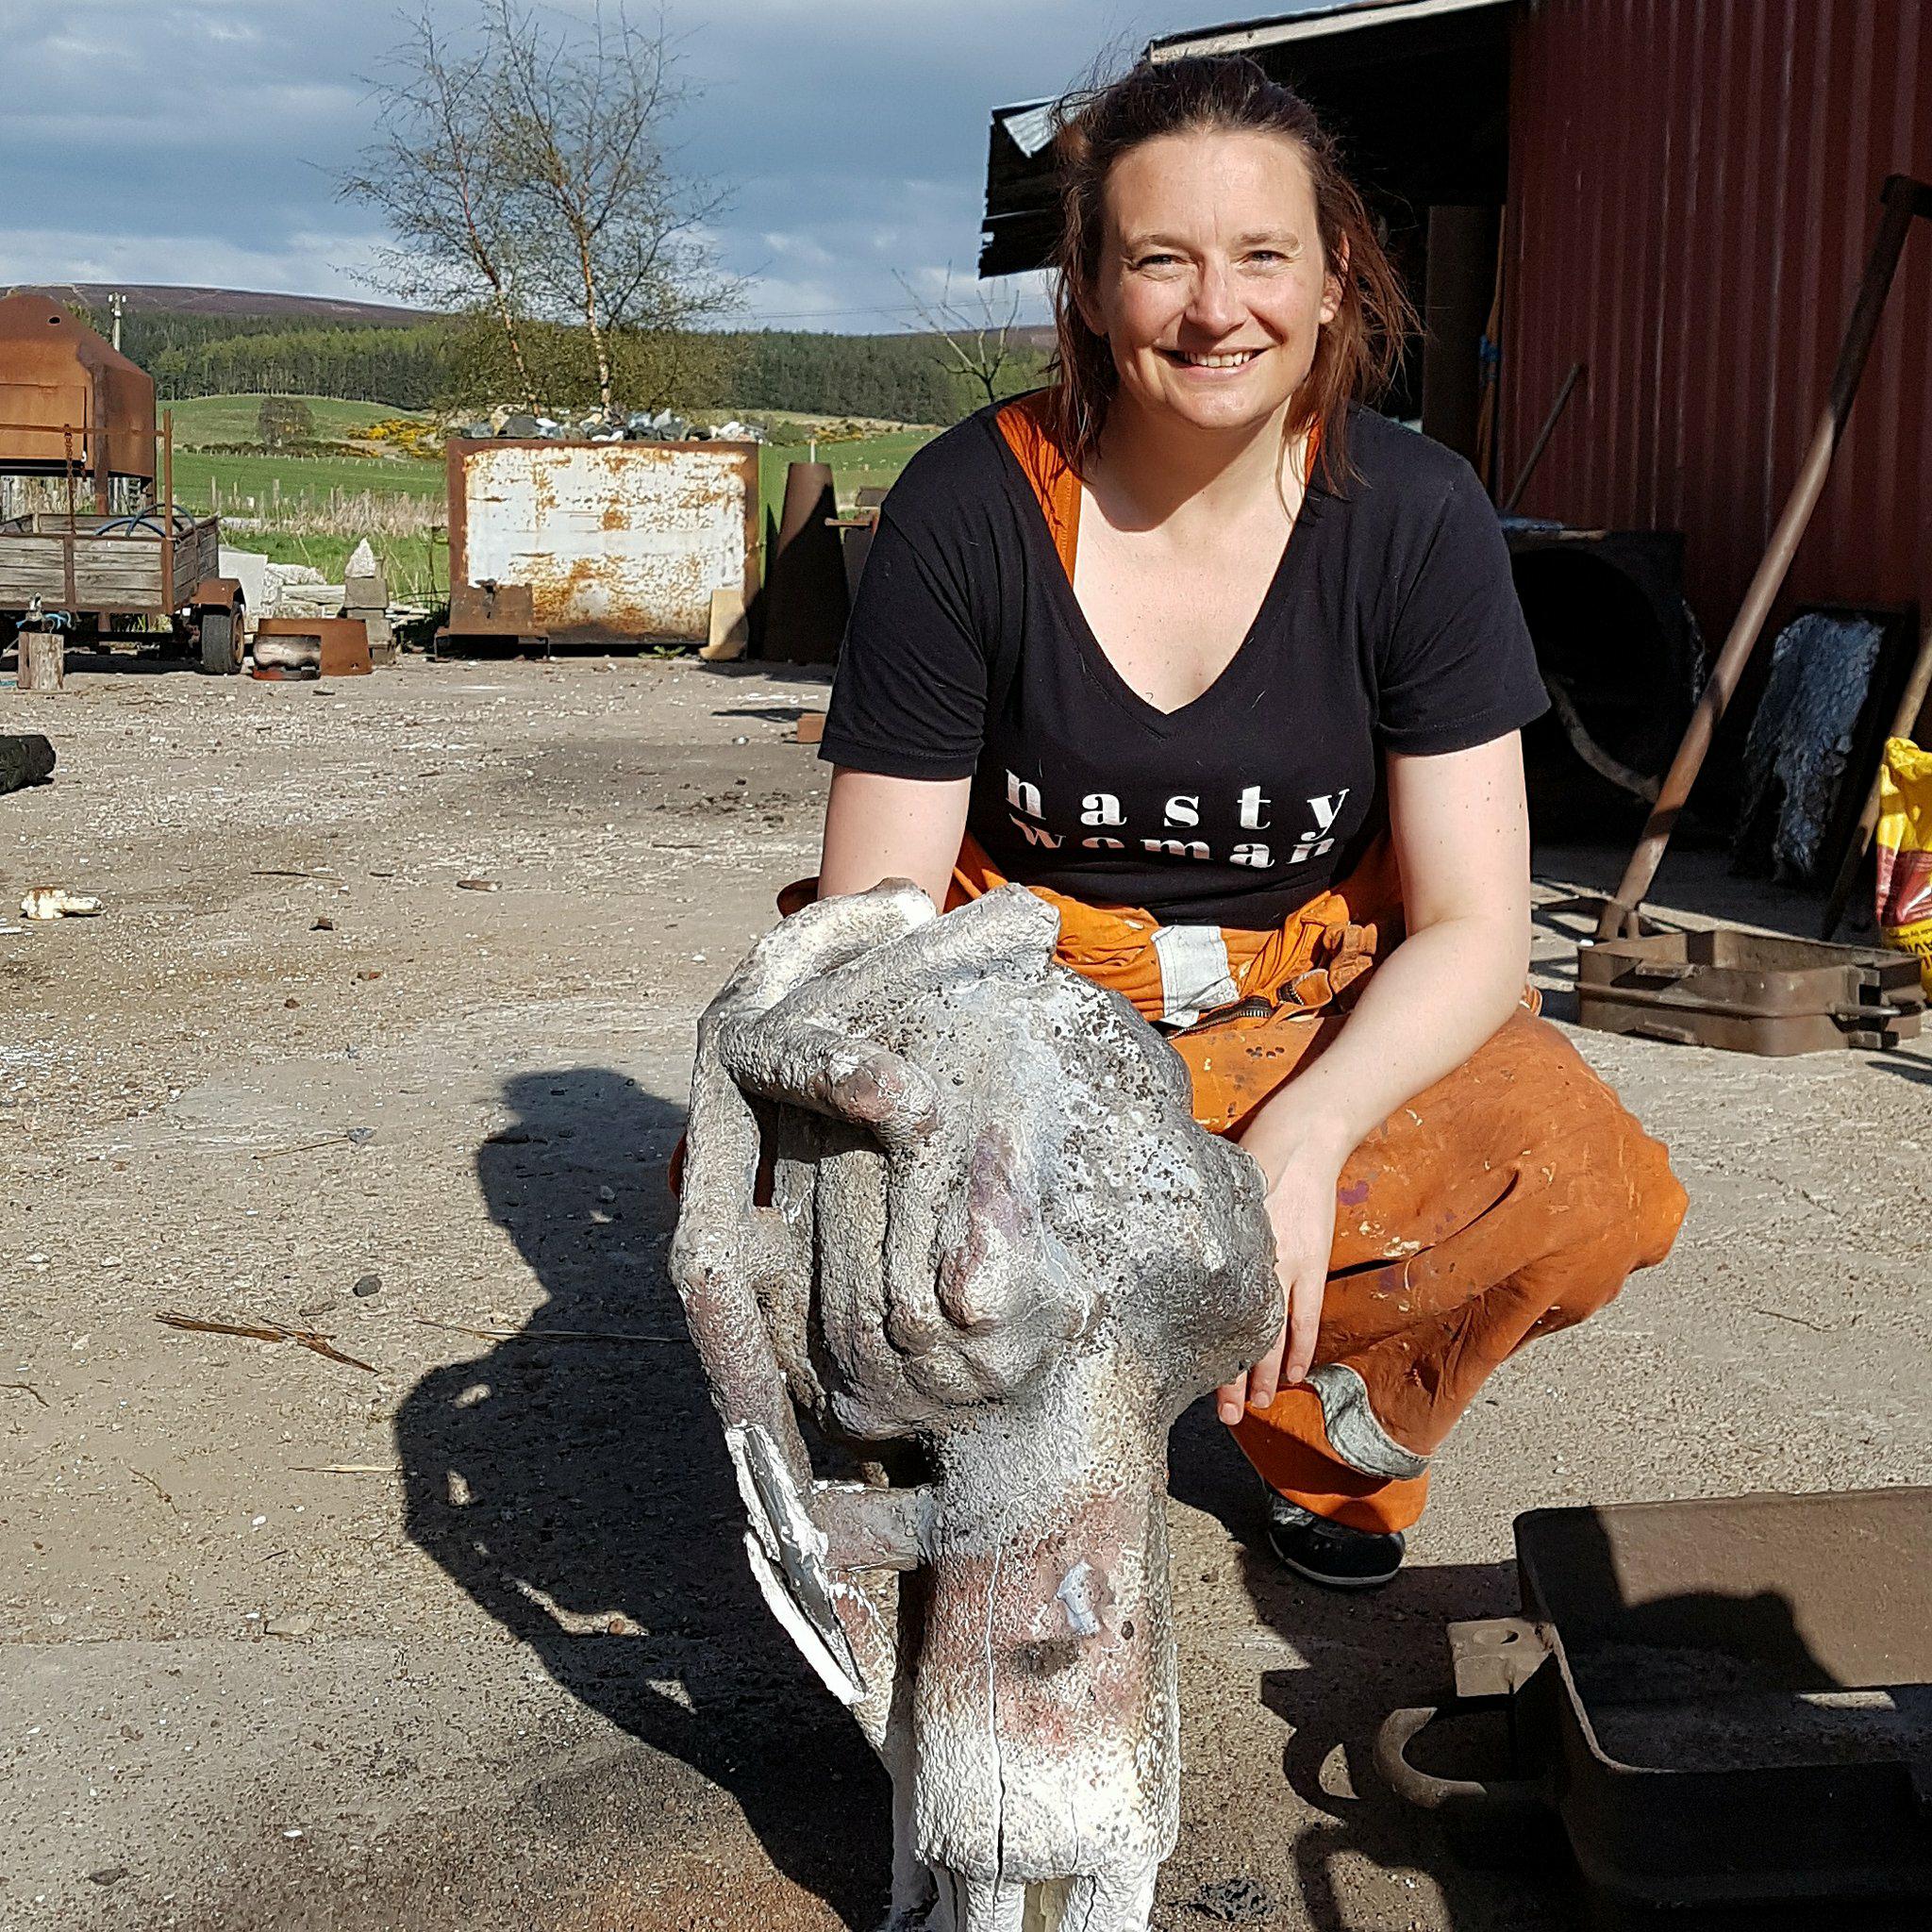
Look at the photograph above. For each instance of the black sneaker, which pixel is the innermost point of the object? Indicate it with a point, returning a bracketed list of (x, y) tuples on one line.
[(1328, 1552)]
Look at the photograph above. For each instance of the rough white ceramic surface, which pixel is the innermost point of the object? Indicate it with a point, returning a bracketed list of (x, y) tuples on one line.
[(946, 1199)]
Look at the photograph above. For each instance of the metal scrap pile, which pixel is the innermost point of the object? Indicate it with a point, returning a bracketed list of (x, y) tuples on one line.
[(665, 425)]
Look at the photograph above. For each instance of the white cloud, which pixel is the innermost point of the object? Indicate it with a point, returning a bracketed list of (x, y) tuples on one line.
[(293, 264), (854, 141)]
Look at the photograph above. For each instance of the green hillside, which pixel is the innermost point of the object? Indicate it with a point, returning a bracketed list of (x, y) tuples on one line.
[(200, 421)]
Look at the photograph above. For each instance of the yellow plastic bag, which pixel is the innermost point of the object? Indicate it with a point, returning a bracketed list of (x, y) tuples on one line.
[(1904, 851)]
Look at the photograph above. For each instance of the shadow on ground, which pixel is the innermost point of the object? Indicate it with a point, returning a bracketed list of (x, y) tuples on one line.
[(567, 1484), (565, 1481), (84, 660), (1367, 1654)]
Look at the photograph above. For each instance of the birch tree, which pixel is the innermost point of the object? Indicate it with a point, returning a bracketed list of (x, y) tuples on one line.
[(975, 338), (534, 176), (433, 173), (585, 136)]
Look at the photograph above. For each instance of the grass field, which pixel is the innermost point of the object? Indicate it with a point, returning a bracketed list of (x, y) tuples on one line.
[(319, 504), (870, 462), (199, 474), (202, 420)]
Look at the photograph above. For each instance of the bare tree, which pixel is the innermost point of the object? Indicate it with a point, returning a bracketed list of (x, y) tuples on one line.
[(531, 177), (583, 138), (435, 174), (976, 337)]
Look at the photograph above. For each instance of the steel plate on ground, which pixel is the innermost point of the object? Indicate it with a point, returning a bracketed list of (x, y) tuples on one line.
[(1749, 993)]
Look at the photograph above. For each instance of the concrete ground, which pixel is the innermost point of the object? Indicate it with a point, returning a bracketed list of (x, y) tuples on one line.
[(463, 1638)]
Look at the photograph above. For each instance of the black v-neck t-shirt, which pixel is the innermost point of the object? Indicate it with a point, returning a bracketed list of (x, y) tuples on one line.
[(1391, 624)]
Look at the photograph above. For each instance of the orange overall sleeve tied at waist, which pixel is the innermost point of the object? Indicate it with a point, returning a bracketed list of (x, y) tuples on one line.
[(1240, 1007), (1509, 1200)]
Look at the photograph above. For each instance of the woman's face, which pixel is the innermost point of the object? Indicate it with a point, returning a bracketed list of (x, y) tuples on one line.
[(1212, 285)]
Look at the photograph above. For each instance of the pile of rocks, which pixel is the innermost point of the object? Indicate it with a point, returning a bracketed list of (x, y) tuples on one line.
[(664, 426), (289, 587), (297, 589)]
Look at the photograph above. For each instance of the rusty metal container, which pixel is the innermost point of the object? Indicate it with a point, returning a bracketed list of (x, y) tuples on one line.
[(1720, 1705), (611, 544), (808, 601), (342, 642), (67, 396), (1749, 993)]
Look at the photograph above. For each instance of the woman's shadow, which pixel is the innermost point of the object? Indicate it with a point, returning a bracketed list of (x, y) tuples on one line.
[(578, 1490)]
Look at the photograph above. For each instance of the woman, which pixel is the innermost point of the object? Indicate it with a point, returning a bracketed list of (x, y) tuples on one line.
[(1232, 672)]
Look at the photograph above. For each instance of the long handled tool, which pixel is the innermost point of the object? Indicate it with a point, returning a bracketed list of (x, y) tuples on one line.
[(1904, 200), (1542, 438)]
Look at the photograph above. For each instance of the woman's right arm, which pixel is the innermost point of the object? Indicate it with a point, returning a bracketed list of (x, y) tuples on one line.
[(892, 828)]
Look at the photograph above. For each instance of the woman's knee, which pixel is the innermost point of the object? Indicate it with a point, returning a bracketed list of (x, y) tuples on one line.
[(1621, 1207), (1616, 1205)]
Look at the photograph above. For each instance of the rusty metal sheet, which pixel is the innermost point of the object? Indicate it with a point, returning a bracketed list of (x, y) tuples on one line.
[(610, 542), (1693, 184), (343, 640), (57, 374)]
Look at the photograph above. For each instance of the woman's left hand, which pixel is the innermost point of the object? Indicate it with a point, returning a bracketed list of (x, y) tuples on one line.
[(1303, 1160)]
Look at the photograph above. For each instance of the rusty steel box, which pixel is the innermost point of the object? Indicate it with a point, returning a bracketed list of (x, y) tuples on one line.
[(1723, 1706), (609, 543), (342, 643), (1749, 993)]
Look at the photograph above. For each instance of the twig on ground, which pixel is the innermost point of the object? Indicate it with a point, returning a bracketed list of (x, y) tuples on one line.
[(348, 1469), (143, 1475), (1781, 1315), (265, 1331), (26, 1389), (344, 1138)]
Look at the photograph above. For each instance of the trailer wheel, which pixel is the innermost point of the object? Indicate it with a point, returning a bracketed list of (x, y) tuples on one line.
[(220, 641)]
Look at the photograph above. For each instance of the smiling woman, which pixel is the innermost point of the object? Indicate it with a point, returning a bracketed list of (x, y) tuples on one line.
[(1230, 670), (1327, 297)]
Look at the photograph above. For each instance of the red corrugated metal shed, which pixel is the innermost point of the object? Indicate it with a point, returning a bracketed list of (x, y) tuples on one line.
[(1693, 190)]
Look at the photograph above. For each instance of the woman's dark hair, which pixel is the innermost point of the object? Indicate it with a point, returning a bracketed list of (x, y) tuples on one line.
[(1357, 352)]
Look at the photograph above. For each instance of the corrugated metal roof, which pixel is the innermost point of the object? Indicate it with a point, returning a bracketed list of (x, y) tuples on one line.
[(1030, 123), (1030, 126), (1419, 105), (1319, 20)]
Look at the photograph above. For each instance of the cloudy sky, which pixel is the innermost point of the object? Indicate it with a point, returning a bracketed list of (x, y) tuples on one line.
[(195, 141)]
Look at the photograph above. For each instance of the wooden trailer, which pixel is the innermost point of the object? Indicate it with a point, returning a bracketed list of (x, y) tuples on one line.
[(150, 575)]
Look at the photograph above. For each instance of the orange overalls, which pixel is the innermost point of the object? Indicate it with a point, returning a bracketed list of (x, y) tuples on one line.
[(1509, 1200)]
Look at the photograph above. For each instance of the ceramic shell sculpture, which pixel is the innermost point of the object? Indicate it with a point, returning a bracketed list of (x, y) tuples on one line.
[(946, 1199)]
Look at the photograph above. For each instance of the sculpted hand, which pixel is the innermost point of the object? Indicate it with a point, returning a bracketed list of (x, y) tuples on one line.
[(1303, 1162)]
